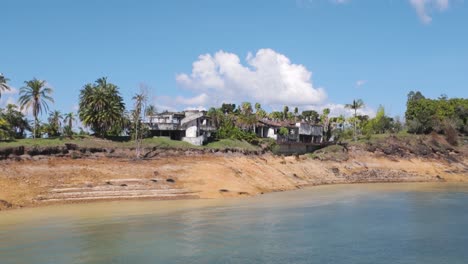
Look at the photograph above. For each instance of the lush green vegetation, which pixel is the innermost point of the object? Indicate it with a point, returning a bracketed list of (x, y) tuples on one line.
[(231, 143), (101, 108), (441, 115)]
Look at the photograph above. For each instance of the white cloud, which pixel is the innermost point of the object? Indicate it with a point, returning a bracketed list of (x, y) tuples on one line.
[(425, 7), (4, 101), (360, 83), (12, 91), (268, 77), (201, 99)]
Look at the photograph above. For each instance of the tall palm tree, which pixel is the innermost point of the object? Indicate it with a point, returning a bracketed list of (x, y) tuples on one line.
[(69, 118), (3, 84), (35, 96), (357, 104)]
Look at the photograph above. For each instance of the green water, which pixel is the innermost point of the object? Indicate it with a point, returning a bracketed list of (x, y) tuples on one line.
[(373, 223)]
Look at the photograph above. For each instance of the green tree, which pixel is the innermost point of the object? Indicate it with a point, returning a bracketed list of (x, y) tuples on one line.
[(259, 112), (35, 96), (283, 131), (150, 112), (140, 100), (216, 115), (276, 115), (356, 105), (310, 116), (228, 108), (246, 120), (16, 119), (69, 118), (285, 112), (3, 84), (325, 120), (55, 123), (101, 108)]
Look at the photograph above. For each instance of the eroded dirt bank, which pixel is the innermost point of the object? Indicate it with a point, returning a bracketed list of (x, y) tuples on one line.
[(58, 180)]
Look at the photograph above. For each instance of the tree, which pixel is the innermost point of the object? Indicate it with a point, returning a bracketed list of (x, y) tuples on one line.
[(357, 104), (246, 108), (326, 122), (216, 115), (140, 100), (3, 84), (246, 119), (55, 123), (151, 112), (228, 108), (283, 131), (276, 115), (35, 96), (285, 112), (258, 106), (69, 118), (310, 116), (16, 119), (101, 108)]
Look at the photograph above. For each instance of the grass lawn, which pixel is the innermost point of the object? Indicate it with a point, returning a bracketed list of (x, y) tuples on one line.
[(231, 143), (159, 142)]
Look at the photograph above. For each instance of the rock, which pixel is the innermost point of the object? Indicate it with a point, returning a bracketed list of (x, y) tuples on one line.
[(335, 171), (25, 157), (170, 180), (71, 146), (223, 190), (5, 205), (14, 157)]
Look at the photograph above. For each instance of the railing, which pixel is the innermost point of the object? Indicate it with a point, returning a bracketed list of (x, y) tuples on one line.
[(164, 126), (207, 128)]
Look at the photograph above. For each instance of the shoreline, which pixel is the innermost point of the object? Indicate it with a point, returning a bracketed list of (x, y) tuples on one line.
[(61, 180)]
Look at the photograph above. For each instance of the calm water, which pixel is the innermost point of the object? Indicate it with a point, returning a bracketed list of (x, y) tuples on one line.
[(392, 223)]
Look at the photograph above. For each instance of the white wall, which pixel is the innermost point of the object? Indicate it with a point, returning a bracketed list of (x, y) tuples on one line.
[(271, 133)]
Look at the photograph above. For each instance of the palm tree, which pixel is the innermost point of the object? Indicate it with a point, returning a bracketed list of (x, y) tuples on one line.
[(102, 108), (140, 100), (55, 122), (35, 95), (285, 112), (69, 118), (357, 104), (3, 84), (151, 112)]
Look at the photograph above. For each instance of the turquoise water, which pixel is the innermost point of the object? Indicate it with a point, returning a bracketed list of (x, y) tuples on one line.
[(373, 223)]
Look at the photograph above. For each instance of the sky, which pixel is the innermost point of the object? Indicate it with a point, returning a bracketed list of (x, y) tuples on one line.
[(187, 54)]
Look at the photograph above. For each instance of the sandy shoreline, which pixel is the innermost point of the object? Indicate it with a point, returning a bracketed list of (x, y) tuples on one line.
[(64, 180)]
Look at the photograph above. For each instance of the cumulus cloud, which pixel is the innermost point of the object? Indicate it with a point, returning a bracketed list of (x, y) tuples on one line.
[(267, 77), (425, 7)]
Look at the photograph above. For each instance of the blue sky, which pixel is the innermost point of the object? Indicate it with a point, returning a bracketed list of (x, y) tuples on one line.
[(195, 54)]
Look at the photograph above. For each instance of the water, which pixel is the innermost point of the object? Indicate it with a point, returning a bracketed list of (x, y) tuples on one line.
[(372, 223)]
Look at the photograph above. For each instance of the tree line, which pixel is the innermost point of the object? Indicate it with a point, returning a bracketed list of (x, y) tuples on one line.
[(102, 109)]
